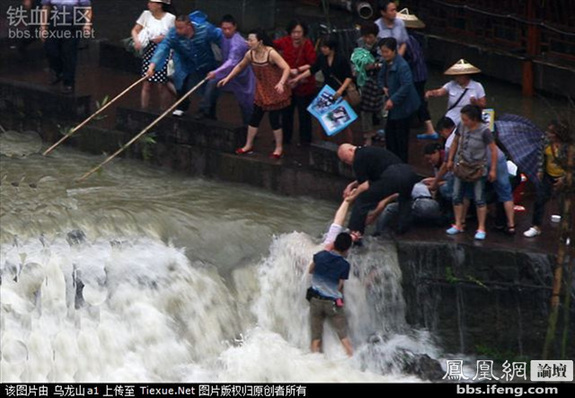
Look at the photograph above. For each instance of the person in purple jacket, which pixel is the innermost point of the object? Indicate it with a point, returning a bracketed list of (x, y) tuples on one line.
[(234, 48)]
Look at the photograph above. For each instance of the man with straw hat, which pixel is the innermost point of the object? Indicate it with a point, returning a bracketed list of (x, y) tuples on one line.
[(462, 90)]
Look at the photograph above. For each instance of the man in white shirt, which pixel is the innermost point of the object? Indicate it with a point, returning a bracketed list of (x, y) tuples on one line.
[(461, 91)]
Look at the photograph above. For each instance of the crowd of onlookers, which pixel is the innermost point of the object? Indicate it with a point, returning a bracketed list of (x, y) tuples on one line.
[(182, 52)]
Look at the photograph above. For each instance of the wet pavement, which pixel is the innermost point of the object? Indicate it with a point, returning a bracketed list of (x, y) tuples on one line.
[(99, 82)]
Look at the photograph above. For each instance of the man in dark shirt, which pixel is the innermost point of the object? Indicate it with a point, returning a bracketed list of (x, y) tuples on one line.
[(330, 269), (63, 23), (379, 173)]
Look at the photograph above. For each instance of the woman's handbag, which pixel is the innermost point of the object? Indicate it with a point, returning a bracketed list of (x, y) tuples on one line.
[(469, 171), (128, 44), (352, 95)]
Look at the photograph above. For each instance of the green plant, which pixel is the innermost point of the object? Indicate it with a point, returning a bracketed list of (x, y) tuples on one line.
[(100, 105), (450, 276), (148, 141), (64, 129), (473, 279)]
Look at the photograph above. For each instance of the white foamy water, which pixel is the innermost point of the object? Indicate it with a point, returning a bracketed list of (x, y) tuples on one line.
[(140, 310), (145, 276)]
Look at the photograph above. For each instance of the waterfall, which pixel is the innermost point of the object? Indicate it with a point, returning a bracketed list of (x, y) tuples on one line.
[(137, 309)]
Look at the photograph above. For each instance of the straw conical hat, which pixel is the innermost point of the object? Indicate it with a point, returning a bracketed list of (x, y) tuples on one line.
[(461, 67), (411, 21)]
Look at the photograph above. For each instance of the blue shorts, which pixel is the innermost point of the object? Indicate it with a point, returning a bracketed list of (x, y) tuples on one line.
[(460, 188), (502, 185)]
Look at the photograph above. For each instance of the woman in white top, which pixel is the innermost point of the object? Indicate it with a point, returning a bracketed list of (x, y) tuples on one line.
[(150, 29), (462, 90)]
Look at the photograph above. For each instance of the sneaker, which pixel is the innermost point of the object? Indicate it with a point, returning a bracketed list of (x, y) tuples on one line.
[(178, 113), (433, 136), (532, 232), (454, 230), (480, 235)]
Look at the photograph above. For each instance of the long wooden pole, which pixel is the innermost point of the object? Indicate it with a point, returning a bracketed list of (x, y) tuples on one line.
[(78, 127), (168, 111), (562, 256), (566, 240)]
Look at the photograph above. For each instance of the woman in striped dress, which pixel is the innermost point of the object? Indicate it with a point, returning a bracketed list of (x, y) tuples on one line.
[(150, 29)]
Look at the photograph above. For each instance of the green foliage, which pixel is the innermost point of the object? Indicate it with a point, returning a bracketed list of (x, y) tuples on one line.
[(100, 105), (450, 276), (63, 129), (148, 141), (473, 279)]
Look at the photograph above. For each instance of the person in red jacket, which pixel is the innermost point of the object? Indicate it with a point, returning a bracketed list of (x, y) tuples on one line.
[(299, 53)]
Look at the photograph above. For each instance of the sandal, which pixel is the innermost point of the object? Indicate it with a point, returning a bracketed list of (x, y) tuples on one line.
[(510, 230), (242, 151), (276, 155)]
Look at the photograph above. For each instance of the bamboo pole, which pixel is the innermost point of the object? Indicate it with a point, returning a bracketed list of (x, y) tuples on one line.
[(78, 127), (562, 256), (144, 131), (566, 238)]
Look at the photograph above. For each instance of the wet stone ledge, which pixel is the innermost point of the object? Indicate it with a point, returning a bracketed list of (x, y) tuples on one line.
[(478, 299), (41, 102), (205, 148), (182, 131), (323, 156)]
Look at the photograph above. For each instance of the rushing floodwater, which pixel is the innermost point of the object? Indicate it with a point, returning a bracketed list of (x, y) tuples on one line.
[(142, 275)]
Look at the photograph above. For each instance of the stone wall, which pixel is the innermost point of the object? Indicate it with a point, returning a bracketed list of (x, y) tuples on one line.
[(478, 299), (26, 100)]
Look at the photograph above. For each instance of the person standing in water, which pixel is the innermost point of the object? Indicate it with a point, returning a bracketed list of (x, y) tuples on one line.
[(330, 270)]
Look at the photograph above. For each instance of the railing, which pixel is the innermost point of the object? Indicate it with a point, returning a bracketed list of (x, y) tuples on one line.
[(535, 28)]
